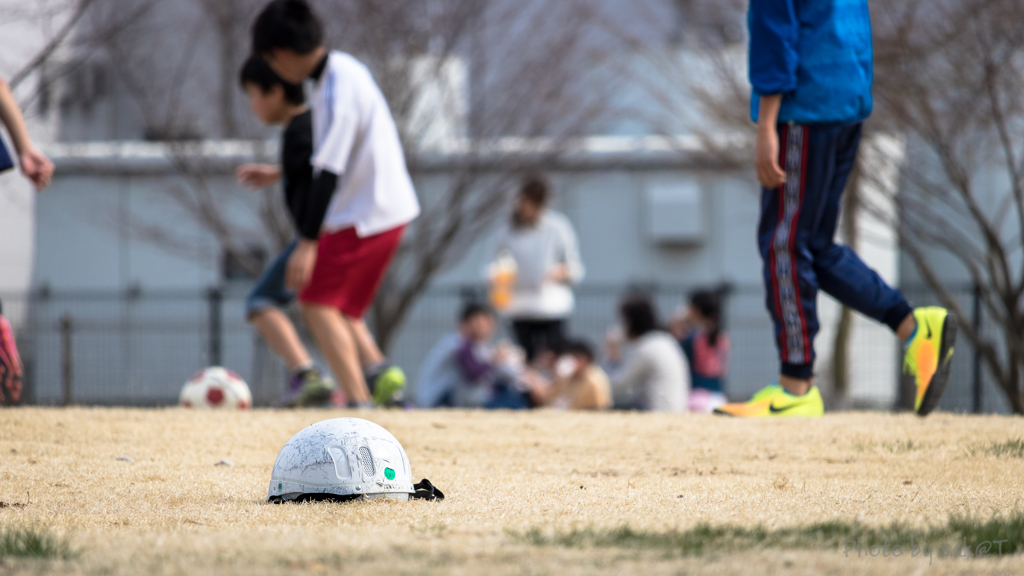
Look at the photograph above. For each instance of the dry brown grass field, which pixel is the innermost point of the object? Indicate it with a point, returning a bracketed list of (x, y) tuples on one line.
[(519, 485)]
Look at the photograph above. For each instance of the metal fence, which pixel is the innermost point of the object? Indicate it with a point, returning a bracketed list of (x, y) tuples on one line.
[(133, 348), (137, 348)]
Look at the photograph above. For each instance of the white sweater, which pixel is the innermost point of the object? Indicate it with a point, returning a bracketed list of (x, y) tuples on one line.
[(536, 250), (654, 375)]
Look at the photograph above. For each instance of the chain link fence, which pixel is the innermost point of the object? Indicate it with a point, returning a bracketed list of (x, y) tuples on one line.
[(137, 348)]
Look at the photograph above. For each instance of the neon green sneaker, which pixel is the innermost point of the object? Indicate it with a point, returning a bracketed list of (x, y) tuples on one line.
[(388, 386), (774, 401), (928, 357), (766, 392)]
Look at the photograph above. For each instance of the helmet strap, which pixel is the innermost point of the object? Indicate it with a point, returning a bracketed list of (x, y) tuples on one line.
[(426, 491)]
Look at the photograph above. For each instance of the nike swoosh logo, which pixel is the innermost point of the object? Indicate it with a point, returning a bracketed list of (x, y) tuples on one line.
[(774, 410), (929, 327)]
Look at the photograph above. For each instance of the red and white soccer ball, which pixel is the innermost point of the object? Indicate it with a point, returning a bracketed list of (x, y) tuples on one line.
[(216, 388)]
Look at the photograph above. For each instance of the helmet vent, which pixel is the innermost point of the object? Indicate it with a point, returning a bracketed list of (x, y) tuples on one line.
[(366, 461)]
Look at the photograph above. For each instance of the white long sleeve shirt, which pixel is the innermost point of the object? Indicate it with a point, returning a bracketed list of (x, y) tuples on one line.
[(537, 250)]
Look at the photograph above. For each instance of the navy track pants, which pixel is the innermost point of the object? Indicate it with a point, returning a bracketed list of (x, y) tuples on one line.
[(798, 249)]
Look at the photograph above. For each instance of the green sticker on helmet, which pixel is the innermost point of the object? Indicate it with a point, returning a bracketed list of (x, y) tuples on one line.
[(389, 473)]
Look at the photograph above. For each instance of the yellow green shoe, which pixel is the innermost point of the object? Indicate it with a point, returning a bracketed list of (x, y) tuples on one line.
[(388, 386), (928, 357), (774, 401), (766, 392)]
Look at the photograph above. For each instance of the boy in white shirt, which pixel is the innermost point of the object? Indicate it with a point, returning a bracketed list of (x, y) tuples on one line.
[(360, 202)]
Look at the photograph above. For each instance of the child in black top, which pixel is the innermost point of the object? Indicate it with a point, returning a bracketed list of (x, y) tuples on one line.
[(277, 102)]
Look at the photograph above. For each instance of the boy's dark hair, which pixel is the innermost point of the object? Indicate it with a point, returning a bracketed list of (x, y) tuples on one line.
[(638, 313), (536, 189), (580, 348), (287, 24), (709, 304), (257, 72), (473, 309)]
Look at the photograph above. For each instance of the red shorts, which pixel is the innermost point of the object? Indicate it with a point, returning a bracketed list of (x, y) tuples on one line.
[(349, 270)]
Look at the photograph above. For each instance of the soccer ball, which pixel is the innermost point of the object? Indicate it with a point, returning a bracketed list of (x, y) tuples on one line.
[(216, 388)]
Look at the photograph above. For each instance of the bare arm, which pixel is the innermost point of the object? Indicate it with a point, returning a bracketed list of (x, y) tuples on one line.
[(766, 156), (541, 392), (257, 176), (570, 270), (34, 165), (10, 115)]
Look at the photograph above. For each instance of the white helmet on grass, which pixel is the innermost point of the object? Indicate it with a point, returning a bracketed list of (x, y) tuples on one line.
[(344, 459)]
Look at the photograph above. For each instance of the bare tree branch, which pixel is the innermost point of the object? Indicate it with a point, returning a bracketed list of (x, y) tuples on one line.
[(80, 8)]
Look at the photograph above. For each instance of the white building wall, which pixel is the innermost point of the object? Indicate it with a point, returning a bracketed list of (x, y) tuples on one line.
[(88, 239), (19, 41), (875, 381)]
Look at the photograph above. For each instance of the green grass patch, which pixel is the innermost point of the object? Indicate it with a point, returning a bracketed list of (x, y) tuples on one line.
[(844, 535), (34, 543), (1011, 448), (1008, 527), (893, 447), (903, 446)]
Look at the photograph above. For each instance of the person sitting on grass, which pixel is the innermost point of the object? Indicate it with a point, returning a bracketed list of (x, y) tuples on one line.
[(464, 369), (707, 349), (276, 102), (580, 384), (651, 374)]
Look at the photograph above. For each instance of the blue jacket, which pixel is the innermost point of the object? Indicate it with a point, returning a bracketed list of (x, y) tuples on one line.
[(817, 54)]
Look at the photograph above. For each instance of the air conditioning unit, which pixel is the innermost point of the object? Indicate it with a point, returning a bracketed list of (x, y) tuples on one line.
[(675, 211)]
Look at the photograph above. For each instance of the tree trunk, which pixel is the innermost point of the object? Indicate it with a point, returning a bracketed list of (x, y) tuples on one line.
[(389, 318), (1012, 387), (226, 13)]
